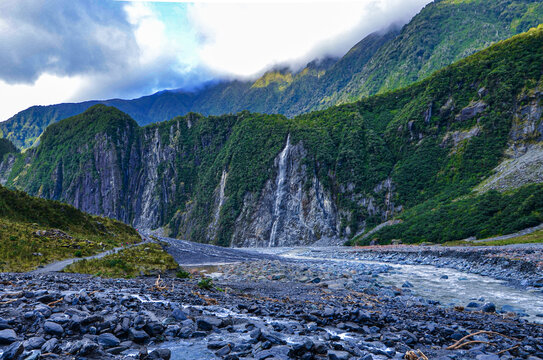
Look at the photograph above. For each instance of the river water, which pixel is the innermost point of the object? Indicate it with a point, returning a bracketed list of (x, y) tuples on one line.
[(458, 289)]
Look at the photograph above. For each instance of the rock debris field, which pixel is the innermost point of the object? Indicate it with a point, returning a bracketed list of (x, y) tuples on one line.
[(266, 309)]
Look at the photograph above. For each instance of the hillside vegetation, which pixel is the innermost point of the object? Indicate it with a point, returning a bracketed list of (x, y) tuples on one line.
[(145, 259), (415, 153), (36, 231), (443, 32)]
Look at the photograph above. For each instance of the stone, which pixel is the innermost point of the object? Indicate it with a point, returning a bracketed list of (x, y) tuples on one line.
[(50, 346), (153, 328), (338, 355), (7, 336), (33, 355), (225, 350), (208, 323), (489, 308), (179, 314), (53, 328), (35, 342), (13, 351), (487, 357), (139, 336), (88, 347), (163, 354), (59, 318), (108, 340)]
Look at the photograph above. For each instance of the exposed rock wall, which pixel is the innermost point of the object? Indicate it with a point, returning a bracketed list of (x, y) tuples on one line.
[(523, 163), (284, 213)]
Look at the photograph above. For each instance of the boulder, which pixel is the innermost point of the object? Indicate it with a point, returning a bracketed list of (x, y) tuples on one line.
[(7, 336)]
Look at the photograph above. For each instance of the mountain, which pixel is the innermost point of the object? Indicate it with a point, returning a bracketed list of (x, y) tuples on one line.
[(6, 147), (443, 32), (468, 132), (36, 231)]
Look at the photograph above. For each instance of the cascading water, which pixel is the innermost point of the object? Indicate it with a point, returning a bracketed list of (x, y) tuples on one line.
[(221, 195), (280, 190)]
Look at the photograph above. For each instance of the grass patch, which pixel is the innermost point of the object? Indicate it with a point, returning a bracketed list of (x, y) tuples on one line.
[(21, 249), (36, 231), (128, 263)]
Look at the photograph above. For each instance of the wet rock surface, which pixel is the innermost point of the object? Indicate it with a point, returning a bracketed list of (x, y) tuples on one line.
[(259, 310)]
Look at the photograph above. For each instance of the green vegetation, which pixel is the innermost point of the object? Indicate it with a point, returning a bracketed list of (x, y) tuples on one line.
[(442, 33), (183, 274), (6, 147), (486, 215), (128, 263), (405, 137), (36, 232), (533, 238), (206, 283)]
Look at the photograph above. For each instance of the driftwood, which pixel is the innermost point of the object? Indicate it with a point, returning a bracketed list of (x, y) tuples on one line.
[(506, 350), (8, 301), (53, 303), (411, 355), (460, 343), (160, 286)]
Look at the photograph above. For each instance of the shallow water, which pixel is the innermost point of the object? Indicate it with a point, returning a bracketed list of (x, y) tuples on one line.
[(459, 289)]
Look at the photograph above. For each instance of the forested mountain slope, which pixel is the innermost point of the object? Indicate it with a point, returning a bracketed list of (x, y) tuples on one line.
[(443, 32)]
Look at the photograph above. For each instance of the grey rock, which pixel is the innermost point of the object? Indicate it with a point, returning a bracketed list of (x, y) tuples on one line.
[(179, 314), (487, 357), (489, 308), (13, 351), (108, 340), (160, 354), (208, 323), (338, 355), (50, 346), (34, 355), (35, 342), (139, 336), (53, 328), (88, 347), (7, 336)]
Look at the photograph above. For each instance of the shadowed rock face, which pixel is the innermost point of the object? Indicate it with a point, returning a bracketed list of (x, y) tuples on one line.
[(135, 177), (283, 214)]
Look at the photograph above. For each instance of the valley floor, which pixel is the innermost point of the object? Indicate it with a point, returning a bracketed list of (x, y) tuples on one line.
[(307, 303)]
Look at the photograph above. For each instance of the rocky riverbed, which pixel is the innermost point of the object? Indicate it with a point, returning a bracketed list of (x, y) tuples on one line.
[(258, 310), (521, 264)]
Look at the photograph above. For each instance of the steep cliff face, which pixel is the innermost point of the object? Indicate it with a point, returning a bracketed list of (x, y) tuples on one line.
[(292, 209)]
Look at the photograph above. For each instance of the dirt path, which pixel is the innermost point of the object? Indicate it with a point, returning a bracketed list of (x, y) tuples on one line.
[(60, 265)]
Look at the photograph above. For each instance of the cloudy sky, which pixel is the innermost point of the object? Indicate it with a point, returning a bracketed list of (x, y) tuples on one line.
[(55, 51)]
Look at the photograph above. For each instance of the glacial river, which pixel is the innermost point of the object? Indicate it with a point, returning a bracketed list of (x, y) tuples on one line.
[(459, 288)]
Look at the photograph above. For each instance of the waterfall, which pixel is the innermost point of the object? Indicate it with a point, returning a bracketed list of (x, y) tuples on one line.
[(280, 190), (221, 196)]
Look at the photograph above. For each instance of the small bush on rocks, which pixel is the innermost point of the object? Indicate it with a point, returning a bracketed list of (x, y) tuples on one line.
[(206, 283)]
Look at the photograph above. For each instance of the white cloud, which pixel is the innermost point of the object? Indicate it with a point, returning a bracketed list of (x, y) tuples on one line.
[(133, 48), (243, 39), (46, 90)]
